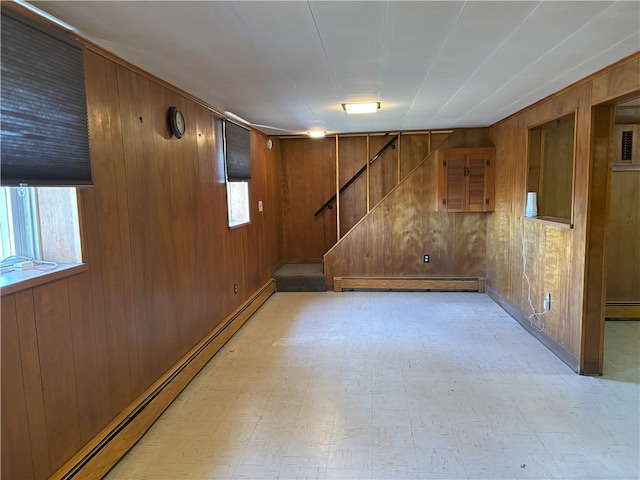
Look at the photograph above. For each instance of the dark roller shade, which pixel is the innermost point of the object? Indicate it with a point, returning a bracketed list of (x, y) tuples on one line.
[(44, 134), (237, 141)]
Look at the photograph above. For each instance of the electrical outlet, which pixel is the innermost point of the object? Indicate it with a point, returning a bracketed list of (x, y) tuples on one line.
[(259, 205), (235, 288), (425, 259), (546, 305)]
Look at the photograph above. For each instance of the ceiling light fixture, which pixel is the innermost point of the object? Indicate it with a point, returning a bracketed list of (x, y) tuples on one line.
[(317, 134), (370, 107)]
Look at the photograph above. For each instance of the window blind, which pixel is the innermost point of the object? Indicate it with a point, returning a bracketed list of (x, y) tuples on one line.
[(44, 134), (237, 141)]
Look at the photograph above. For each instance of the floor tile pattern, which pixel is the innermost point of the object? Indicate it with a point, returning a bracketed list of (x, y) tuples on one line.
[(396, 385)]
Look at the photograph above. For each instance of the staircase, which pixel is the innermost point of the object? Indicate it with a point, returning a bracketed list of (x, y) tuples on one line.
[(300, 277)]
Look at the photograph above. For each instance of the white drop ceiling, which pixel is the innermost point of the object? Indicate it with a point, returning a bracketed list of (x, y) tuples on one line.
[(286, 67)]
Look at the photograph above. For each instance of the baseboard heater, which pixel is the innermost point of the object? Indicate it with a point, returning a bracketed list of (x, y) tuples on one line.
[(622, 310), (98, 456), (452, 284)]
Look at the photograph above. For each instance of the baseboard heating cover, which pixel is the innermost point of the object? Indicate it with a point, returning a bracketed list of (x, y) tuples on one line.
[(101, 453), (396, 283)]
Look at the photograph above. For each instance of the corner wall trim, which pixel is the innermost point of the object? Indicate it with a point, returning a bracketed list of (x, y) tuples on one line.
[(557, 349), (404, 283), (101, 453)]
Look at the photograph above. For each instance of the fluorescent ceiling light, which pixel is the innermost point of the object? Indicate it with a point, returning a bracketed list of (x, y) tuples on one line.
[(316, 134), (371, 107)]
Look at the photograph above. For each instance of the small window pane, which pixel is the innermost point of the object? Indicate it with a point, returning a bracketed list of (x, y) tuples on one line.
[(238, 203)]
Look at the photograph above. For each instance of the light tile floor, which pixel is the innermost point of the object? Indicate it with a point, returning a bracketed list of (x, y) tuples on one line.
[(362, 385)]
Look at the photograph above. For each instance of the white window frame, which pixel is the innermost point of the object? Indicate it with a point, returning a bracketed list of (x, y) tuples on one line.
[(238, 204), (37, 222)]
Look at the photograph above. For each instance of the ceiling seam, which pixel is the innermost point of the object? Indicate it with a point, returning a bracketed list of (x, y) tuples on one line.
[(531, 64), (326, 55), (384, 42), (485, 61), (250, 33), (567, 72), (424, 80)]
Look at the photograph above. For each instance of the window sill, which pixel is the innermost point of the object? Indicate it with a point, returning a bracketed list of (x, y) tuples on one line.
[(552, 221), (239, 225), (15, 281)]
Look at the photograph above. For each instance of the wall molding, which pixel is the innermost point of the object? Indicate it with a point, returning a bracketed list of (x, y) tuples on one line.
[(400, 283), (557, 349), (101, 453), (622, 310)]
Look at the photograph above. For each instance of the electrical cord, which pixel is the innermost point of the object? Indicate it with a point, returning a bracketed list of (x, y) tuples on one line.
[(8, 264), (536, 315)]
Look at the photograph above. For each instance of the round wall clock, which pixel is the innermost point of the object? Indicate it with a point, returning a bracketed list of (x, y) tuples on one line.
[(176, 122)]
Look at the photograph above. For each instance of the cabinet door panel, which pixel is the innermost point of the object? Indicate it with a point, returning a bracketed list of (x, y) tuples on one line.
[(476, 179), (456, 182)]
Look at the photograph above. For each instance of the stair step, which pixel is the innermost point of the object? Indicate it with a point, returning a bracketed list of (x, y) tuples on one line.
[(300, 277)]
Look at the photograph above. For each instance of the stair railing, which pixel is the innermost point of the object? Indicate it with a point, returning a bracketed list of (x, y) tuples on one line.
[(329, 203)]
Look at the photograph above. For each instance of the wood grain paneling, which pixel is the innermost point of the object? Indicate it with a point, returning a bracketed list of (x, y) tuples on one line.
[(15, 431), (415, 146), (308, 181), (161, 265), (352, 152), (383, 174), (33, 384), (310, 157), (568, 262), (391, 240), (623, 275), (55, 348)]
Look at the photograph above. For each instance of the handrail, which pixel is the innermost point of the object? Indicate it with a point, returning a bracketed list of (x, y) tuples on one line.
[(327, 204)]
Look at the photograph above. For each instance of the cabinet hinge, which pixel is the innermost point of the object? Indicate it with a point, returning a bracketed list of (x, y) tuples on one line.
[(488, 162), (444, 163), (486, 201), (444, 201)]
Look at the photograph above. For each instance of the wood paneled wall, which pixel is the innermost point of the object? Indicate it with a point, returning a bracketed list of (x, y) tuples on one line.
[(162, 264), (392, 239), (309, 180), (623, 276), (568, 263)]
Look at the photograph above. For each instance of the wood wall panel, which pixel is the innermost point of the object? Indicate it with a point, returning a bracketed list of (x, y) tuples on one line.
[(383, 173), (569, 261), (161, 261), (352, 152), (33, 384), (413, 148), (315, 163), (623, 276), (391, 239), (308, 181), (15, 422), (83, 337), (55, 348)]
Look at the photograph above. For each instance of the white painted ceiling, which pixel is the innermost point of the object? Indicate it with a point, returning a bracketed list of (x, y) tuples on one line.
[(286, 67)]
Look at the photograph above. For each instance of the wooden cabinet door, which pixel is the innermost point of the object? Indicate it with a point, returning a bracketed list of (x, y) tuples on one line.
[(465, 180), (456, 185)]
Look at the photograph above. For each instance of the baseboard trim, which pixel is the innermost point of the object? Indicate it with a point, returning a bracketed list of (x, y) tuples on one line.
[(98, 456), (622, 310), (403, 283), (557, 349)]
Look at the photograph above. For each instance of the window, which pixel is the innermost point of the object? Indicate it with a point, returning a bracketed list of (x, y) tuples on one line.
[(44, 110), (237, 154), (551, 167), (43, 142), (40, 223), (238, 203)]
